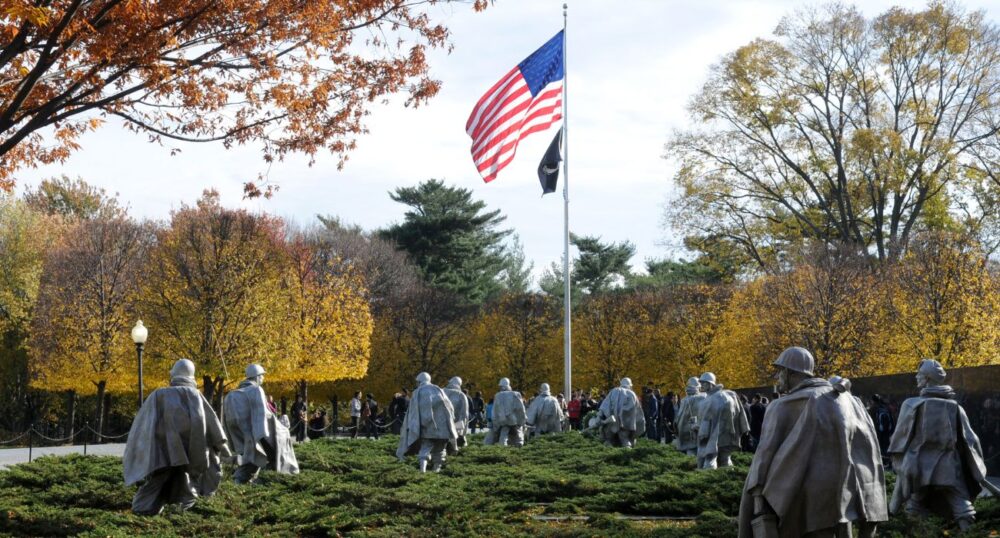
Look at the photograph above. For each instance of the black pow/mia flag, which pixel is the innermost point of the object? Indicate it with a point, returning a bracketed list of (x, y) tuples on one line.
[(548, 169)]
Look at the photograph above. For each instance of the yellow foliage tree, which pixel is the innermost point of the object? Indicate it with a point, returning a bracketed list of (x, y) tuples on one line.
[(944, 305), (217, 293), (331, 323), (611, 335), (519, 337), (80, 338)]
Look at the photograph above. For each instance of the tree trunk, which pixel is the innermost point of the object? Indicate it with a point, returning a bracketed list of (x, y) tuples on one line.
[(334, 416), (208, 387), (99, 419), (71, 412), (107, 411), (284, 405), (304, 392), (212, 387)]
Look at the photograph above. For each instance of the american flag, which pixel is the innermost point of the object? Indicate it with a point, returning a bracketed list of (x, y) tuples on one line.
[(526, 100)]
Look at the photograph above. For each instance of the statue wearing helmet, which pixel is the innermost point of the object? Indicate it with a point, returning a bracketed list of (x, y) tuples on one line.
[(544, 414), (428, 426), (259, 439), (460, 405), (721, 424), (817, 468), (621, 416), (688, 416), (175, 465), (935, 453), (509, 417)]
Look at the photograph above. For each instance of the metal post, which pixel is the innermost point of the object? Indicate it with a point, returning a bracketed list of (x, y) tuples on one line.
[(31, 441), (568, 322), (138, 350), (86, 436)]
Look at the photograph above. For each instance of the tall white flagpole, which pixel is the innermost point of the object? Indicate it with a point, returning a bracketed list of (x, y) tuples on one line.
[(568, 322)]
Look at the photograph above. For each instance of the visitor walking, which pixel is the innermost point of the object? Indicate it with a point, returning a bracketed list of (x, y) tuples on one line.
[(355, 410), (397, 410), (478, 410), (489, 415), (885, 425), (372, 417), (573, 410), (317, 424), (668, 410), (650, 408), (299, 419), (757, 408)]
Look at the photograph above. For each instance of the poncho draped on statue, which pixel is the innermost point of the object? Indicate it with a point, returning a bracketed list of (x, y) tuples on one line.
[(818, 462), (508, 409), (460, 406), (623, 404), (545, 414), (248, 420), (175, 427), (429, 416), (933, 438), (722, 422), (687, 438)]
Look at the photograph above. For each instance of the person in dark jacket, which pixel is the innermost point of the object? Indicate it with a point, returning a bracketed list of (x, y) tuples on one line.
[(299, 419), (397, 409), (885, 425), (757, 408), (317, 424), (668, 411), (372, 416), (650, 408), (477, 409)]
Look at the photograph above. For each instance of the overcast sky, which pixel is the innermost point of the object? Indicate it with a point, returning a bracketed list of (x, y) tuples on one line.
[(633, 65)]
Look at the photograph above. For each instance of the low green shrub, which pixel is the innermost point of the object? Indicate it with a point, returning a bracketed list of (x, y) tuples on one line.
[(357, 488)]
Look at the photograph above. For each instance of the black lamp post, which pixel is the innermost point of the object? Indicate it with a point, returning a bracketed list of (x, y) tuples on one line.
[(139, 335)]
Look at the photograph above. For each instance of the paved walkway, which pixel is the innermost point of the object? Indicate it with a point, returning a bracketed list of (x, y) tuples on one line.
[(13, 456)]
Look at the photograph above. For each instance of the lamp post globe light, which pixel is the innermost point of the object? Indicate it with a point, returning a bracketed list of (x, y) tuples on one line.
[(139, 335)]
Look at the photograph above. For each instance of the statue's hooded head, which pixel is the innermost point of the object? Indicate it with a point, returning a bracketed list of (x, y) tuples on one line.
[(693, 386), (183, 368), (423, 378), (504, 383), (626, 383), (544, 390), (455, 383), (930, 372)]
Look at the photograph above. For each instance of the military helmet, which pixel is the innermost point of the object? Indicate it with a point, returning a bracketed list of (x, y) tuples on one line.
[(797, 359), (708, 377), (255, 370)]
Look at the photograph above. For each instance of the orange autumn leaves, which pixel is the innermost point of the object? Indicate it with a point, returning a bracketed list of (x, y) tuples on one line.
[(292, 76)]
